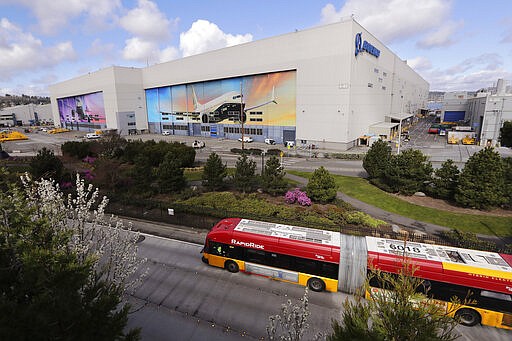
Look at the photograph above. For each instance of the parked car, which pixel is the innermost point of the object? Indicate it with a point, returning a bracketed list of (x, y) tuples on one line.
[(198, 144), (166, 133), (91, 136), (247, 139), (442, 132), (289, 144), (270, 141), (434, 129)]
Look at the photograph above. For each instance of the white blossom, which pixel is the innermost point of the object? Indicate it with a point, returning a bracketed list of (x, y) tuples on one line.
[(94, 235)]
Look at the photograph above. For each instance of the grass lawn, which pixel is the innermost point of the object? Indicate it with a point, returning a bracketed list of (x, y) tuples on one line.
[(362, 190)]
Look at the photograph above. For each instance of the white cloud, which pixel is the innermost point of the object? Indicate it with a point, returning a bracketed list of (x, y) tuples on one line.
[(56, 15), (391, 20), (168, 53), (21, 52), (138, 49), (419, 63), (441, 37), (146, 21), (469, 75), (206, 36)]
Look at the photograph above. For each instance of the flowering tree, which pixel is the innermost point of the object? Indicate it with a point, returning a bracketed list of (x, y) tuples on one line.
[(64, 265), (292, 323), (93, 234)]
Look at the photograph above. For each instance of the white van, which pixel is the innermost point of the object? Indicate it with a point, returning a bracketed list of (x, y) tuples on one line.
[(92, 136)]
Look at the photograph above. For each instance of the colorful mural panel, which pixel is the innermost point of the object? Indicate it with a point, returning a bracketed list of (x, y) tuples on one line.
[(267, 100), (87, 108)]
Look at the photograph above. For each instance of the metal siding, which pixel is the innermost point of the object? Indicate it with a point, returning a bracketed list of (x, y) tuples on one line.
[(454, 116), (353, 262)]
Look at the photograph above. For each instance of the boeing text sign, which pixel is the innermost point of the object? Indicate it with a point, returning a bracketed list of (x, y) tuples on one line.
[(365, 46)]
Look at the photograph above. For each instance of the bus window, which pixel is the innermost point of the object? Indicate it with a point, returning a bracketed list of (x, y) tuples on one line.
[(255, 256)]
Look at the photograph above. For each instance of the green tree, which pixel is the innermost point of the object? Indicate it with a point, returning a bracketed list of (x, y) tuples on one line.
[(445, 181), (506, 134), (170, 174), (244, 178), (482, 181), (507, 171), (377, 159), (49, 288), (142, 173), (214, 173), (408, 171), (401, 312), (46, 165), (321, 186), (273, 177)]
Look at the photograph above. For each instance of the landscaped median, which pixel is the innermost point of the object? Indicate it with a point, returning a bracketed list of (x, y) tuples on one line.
[(361, 189)]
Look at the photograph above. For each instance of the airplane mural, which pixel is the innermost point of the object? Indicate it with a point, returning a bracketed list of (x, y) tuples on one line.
[(226, 106)]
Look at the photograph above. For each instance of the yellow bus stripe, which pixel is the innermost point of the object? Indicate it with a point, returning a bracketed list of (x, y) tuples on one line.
[(507, 275)]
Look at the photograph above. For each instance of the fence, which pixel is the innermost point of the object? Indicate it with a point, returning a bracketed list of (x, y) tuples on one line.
[(206, 218)]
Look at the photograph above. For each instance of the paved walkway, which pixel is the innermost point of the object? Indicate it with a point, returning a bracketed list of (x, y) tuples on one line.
[(403, 222)]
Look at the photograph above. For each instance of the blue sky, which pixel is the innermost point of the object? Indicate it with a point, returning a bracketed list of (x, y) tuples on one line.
[(454, 45)]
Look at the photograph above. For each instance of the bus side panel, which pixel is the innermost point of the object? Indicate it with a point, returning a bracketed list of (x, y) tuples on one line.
[(219, 261), (330, 284)]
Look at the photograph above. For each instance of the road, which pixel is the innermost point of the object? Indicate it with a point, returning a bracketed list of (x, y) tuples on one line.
[(184, 299)]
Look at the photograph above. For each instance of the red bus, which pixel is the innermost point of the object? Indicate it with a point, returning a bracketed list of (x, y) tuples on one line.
[(311, 257), (288, 253)]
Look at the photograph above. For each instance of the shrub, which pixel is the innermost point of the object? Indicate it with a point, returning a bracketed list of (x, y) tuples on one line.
[(321, 186), (297, 196)]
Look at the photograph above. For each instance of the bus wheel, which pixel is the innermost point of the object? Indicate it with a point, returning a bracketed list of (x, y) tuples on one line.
[(468, 317), (316, 284), (231, 266)]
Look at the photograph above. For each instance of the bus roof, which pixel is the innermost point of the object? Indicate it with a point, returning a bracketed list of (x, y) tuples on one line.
[(291, 240), (289, 232), (472, 268)]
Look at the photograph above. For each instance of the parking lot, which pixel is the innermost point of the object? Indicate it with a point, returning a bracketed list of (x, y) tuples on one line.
[(432, 145)]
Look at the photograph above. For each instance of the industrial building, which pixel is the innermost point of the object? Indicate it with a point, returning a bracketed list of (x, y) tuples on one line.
[(331, 86), (484, 111), (27, 114)]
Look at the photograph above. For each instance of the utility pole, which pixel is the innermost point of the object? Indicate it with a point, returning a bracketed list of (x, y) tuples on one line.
[(242, 112)]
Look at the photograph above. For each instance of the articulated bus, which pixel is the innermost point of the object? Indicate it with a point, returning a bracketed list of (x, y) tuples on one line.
[(311, 257)]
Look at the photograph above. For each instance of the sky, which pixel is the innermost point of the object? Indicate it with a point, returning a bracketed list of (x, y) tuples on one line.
[(456, 45)]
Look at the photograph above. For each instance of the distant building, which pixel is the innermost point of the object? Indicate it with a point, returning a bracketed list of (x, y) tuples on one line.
[(28, 114), (485, 111), (327, 86)]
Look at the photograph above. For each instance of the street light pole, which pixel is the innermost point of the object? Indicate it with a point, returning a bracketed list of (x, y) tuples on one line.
[(242, 113), (400, 125)]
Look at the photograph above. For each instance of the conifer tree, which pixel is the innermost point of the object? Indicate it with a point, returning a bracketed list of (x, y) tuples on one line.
[(400, 310), (481, 182), (273, 177), (244, 178), (214, 173), (321, 186), (170, 174), (445, 180), (377, 159)]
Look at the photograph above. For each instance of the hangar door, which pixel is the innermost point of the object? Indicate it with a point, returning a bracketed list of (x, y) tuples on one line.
[(454, 116)]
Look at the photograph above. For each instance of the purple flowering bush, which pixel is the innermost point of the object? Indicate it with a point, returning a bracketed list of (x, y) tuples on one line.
[(297, 196), (89, 159)]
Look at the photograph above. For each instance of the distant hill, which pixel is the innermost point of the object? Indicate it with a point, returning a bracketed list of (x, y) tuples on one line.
[(13, 100)]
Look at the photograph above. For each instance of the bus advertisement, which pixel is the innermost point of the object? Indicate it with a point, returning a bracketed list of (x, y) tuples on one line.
[(311, 257)]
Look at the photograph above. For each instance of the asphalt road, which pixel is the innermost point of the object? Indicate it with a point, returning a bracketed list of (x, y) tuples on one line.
[(184, 299)]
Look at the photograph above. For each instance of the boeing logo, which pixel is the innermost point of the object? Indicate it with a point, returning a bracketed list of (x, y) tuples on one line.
[(365, 46)]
